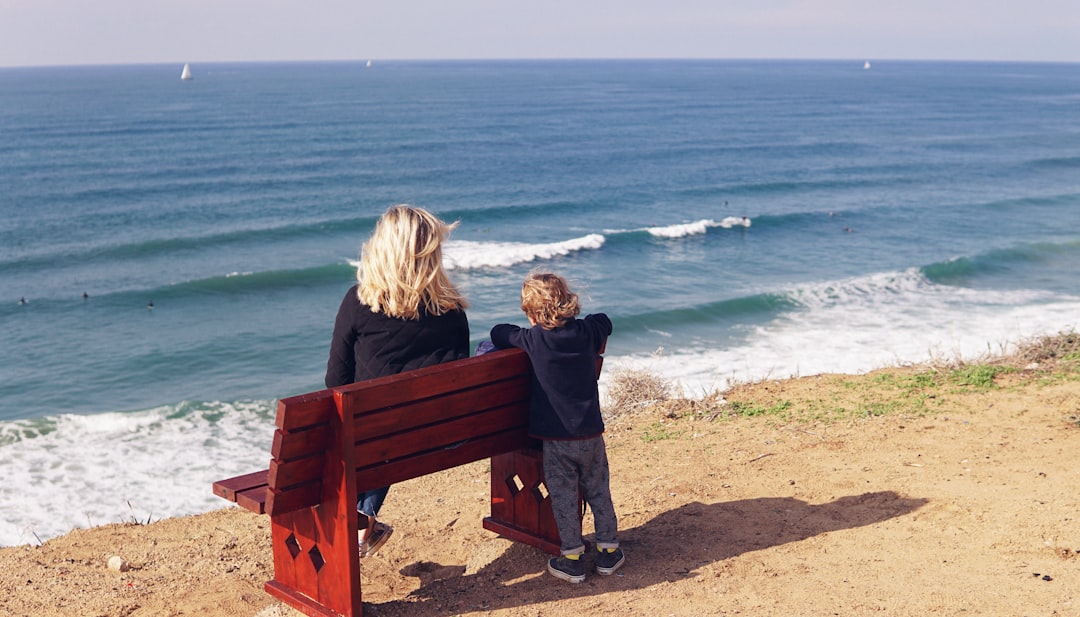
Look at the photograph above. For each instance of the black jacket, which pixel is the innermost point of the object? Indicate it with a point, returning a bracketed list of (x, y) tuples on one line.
[(565, 399), (366, 345)]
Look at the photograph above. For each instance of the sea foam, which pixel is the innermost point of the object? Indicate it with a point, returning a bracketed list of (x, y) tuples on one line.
[(859, 324), (682, 230), (69, 471), (469, 255)]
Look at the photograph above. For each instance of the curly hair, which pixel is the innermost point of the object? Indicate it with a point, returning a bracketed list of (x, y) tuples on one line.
[(547, 300), (401, 267)]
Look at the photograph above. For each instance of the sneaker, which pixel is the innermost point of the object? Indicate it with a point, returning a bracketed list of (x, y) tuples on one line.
[(567, 569), (378, 536), (607, 563)]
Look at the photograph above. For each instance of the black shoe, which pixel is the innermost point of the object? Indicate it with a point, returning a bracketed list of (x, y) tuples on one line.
[(607, 563), (567, 569)]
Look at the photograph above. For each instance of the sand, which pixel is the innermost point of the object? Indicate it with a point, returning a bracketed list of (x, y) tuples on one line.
[(963, 502)]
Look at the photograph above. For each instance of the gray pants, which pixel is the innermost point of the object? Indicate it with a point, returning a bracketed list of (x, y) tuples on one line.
[(580, 463)]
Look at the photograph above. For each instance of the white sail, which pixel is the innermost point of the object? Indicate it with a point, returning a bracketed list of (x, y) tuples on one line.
[(866, 65), (186, 73)]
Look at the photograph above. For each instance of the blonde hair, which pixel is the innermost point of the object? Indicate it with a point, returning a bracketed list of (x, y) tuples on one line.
[(401, 266), (547, 300)]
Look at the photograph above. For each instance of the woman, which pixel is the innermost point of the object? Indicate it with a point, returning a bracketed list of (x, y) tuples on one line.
[(403, 314)]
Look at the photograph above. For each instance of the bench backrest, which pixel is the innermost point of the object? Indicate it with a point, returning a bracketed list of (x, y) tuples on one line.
[(400, 427)]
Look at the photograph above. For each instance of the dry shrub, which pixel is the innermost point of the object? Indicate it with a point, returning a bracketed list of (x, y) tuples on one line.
[(630, 390), (1047, 351), (708, 407)]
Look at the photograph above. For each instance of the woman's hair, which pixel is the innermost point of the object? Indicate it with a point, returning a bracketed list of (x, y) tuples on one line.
[(401, 268), (548, 301)]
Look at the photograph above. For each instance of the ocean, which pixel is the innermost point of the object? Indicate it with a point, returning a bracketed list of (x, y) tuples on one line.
[(738, 220)]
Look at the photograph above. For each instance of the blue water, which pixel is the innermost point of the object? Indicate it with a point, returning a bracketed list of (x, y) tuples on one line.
[(911, 211)]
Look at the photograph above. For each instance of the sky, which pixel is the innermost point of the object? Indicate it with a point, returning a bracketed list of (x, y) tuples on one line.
[(67, 32)]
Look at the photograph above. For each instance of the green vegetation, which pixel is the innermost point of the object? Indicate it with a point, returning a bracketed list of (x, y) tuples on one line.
[(910, 391), (742, 408), (659, 431), (978, 375)]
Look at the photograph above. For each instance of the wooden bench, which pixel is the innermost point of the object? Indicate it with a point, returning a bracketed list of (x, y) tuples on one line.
[(333, 443)]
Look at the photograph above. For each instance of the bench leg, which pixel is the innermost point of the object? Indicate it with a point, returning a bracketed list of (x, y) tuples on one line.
[(315, 564), (520, 504)]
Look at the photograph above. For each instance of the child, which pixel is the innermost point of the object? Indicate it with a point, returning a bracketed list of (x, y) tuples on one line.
[(565, 414)]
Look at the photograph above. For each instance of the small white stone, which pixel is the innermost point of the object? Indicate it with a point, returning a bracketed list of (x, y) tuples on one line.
[(116, 562)]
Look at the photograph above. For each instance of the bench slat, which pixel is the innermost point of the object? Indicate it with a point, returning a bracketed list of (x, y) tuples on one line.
[(228, 488), (385, 474), (285, 474), (441, 436), (253, 499), (290, 445), (296, 412), (435, 380), (412, 415), (294, 498)]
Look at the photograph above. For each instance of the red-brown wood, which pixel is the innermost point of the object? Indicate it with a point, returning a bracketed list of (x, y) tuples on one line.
[(529, 501), (304, 410), (521, 535), (339, 578), (316, 555), (332, 443), (440, 437), (227, 489), (305, 530), (299, 601), (434, 380), (391, 473), (282, 539), (522, 514), (292, 499), (298, 444), (253, 499), (297, 471), (408, 415)]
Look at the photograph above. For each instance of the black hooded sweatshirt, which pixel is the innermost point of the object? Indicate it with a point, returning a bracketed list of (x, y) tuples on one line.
[(565, 400)]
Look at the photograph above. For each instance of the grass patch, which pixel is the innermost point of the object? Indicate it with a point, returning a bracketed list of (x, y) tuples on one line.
[(659, 431), (750, 409), (911, 391), (978, 375)]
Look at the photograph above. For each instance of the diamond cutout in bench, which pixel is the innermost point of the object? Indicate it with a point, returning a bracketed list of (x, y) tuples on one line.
[(316, 558), (515, 484), (293, 545)]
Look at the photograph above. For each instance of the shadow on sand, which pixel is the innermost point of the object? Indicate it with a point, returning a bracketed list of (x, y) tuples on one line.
[(677, 543)]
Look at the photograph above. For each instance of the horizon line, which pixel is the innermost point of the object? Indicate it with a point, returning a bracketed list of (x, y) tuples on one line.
[(373, 59)]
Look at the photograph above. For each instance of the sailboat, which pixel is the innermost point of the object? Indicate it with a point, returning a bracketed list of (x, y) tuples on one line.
[(186, 73), (369, 64), (866, 65)]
